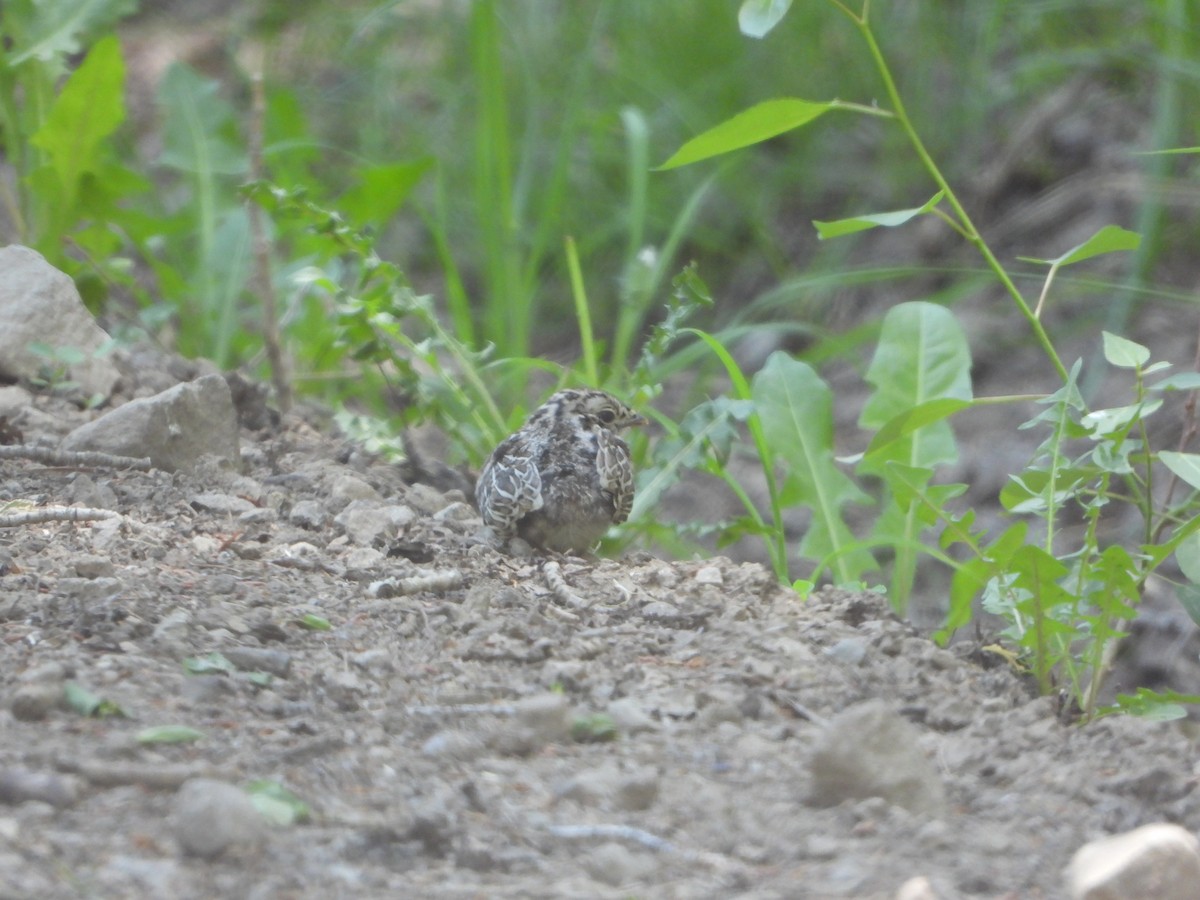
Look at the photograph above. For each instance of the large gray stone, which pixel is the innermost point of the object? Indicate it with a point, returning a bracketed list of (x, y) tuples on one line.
[(175, 428), (870, 751), (39, 304), (1160, 861), (212, 817)]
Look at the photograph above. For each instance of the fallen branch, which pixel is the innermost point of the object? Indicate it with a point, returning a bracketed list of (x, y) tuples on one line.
[(55, 514), (52, 457)]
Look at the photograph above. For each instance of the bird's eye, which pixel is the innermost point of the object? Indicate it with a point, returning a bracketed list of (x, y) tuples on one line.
[(607, 416)]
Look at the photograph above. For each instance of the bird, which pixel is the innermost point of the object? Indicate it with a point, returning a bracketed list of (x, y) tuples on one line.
[(563, 477)]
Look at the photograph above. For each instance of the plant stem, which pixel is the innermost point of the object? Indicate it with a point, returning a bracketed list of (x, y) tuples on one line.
[(969, 230)]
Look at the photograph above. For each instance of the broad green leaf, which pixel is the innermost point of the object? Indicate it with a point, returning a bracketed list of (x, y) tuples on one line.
[(1108, 239), (796, 410), (200, 132), (382, 190), (757, 17), (60, 28), (277, 804), (914, 419), (1187, 554), (168, 734), (840, 227), (1183, 381), (1124, 353), (1189, 599), (922, 356), (1157, 706), (88, 110), (752, 126), (1037, 490), (1185, 465)]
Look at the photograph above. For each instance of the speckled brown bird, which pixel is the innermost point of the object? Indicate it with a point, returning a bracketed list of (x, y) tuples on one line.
[(565, 476)]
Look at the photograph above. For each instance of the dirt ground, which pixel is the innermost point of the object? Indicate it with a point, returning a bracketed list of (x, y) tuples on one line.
[(478, 725)]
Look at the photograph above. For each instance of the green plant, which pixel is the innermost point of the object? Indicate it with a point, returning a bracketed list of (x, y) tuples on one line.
[(1066, 594)]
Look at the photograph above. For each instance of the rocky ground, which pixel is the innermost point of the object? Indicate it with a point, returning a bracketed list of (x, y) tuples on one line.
[(472, 724)]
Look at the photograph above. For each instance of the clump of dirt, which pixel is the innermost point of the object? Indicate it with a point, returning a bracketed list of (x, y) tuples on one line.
[(473, 724)]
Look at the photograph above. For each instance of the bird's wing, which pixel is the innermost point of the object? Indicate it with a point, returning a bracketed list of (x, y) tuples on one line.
[(616, 472), (509, 486)]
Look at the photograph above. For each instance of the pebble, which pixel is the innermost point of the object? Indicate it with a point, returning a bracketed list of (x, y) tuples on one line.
[(630, 717), (615, 864), (308, 514), (1160, 861), (349, 487), (848, 651), (33, 702), (23, 785), (709, 575), (260, 659), (870, 751), (637, 791), (94, 567), (212, 817)]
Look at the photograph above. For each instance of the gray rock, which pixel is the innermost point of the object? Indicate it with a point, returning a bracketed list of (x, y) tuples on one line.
[(349, 487), (365, 521), (614, 864), (262, 659), (35, 701), (870, 751), (175, 429), (637, 790), (630, 717), (1160, 861), (212, 817), (94, 567), (21, 785), (40, 305), (308, 514)]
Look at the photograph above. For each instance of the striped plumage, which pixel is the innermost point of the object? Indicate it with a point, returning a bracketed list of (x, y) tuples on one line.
[(562, 479)]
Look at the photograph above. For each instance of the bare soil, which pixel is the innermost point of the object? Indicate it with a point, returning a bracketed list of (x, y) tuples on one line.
[(444, 730)]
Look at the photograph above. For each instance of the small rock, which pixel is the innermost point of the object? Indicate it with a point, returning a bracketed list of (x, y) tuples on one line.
[(217, 502), (308, 514), (547, 715), (615, 864), (453, 745), (212, 817), (918, 888), (870, 751), (848, 651), (176, 429), (539, 720), (250, 659), (1160, 861), (425, 499), (630, 716), (366, 521), (35, 701), (376, 659), (347, 488), (40, 305), (709, 575), (21, 785), (208, 689), (94, 567), (637, 791)]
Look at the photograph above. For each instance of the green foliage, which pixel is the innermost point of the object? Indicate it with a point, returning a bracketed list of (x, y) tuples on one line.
[(1067, 595)]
